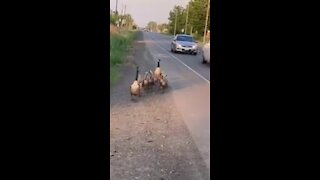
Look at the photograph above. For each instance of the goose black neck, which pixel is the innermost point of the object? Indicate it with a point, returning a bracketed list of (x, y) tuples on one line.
[(137, 74), (158, 64)]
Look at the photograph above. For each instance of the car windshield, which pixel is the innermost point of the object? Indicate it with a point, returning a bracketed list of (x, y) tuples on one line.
[(185, 38)]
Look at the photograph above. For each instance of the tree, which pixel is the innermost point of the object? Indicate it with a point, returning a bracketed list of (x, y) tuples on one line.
[(180, 13), (127, 21), (152, 26), (134, 26), (196, 17), (162, 27)]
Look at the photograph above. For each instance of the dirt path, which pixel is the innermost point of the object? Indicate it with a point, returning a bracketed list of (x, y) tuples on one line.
[(148, 137)]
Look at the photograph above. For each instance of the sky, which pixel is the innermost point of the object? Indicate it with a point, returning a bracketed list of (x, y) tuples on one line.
[(144, 11)]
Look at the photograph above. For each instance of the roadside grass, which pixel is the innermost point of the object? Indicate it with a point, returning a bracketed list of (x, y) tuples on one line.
[(119, 48), (199, 39), (166, 33)]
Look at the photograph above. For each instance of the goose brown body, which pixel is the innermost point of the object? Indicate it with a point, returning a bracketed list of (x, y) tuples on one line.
[(145, 81), (163, 80), (135, 86), (151, 78), (157, 72)]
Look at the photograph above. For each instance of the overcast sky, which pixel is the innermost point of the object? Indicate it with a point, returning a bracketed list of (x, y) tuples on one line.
[(144, 11)]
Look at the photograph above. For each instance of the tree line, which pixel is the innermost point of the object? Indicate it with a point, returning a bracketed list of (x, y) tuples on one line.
[(153, 26), (122, 20), (195, 10)]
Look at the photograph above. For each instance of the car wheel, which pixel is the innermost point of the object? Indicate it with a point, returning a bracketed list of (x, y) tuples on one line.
[(173, 50), (195, 53)]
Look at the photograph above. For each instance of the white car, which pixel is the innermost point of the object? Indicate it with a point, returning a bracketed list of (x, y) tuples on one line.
[(206, 53)]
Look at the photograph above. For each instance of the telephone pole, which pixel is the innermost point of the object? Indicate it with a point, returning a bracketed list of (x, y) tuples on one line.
[(175, 23), (117, 7), (124, 16), (205, 28), (186, 20)]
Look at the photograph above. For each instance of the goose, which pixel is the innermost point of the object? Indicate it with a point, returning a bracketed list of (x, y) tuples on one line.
[(157, 72), (135, 86)]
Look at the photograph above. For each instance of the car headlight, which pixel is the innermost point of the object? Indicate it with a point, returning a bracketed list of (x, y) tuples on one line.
[(194, 46)]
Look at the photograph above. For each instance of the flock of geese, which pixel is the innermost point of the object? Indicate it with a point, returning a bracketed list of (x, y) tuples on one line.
[(150, 79)]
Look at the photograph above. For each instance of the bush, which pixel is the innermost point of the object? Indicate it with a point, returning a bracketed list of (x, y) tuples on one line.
[(119, 47), (113, 19)]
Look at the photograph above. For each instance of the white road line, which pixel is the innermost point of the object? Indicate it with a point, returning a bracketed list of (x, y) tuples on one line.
[(185, 65)]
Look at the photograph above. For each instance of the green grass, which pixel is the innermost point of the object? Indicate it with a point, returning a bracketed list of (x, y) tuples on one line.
[(119, 47), (198, 37)]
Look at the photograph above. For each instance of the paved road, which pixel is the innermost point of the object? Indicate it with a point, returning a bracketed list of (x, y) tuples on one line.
[(194, 62), (190, 84)]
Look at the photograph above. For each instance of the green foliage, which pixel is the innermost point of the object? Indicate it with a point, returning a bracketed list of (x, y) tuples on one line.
[(162, 27), (178, 16), (120, 43), (119, 47), (113, 19), (196, 17), (127, 21), (152, 26)]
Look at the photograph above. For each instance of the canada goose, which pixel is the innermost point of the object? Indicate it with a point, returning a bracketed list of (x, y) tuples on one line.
[(145, 81), (163, 82), (151, 78), (135, 86), (157, 71)]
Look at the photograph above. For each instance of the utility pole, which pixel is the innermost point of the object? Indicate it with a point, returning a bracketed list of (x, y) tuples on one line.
[(121, 15), (175, 23), (117, 7), (205, 28), (125, 17), (186, 20)]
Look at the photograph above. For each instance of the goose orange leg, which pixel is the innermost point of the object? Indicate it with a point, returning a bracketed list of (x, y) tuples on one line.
[(130, 93)]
